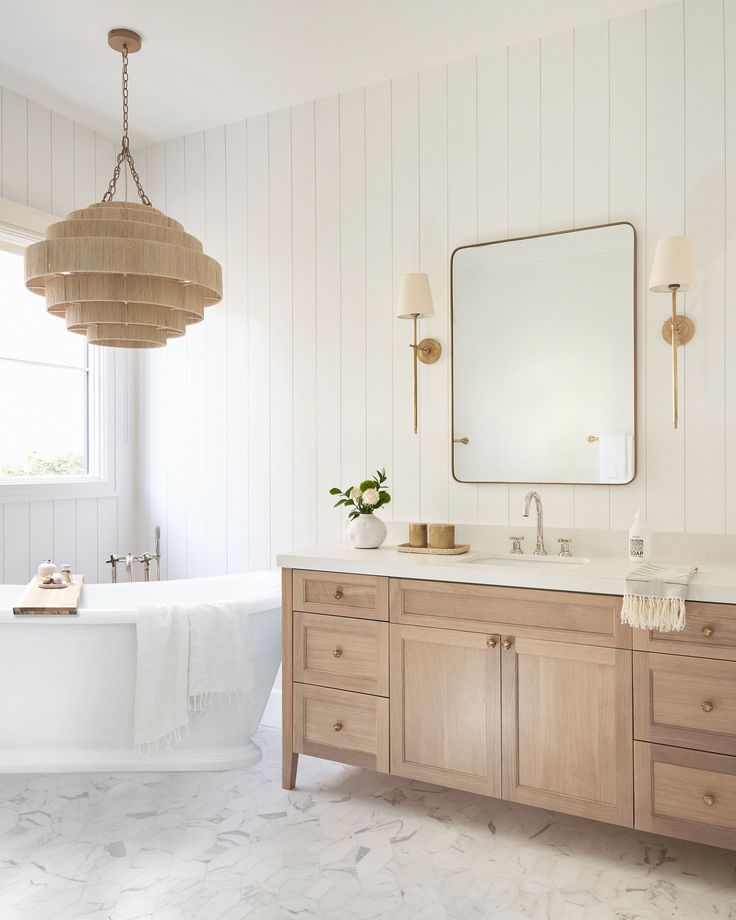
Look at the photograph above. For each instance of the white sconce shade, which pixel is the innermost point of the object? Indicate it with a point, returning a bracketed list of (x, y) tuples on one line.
[(415, 297), (673, 265)]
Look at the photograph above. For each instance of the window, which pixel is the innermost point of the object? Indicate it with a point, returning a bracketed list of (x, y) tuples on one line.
[(50, 388)]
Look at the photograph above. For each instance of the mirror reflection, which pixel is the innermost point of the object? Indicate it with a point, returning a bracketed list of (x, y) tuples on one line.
[(543, 358)]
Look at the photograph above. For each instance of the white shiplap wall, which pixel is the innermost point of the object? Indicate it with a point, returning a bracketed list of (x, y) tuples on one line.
[(55, 165), (301, 379)]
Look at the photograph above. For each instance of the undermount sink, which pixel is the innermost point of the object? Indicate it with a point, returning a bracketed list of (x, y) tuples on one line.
[(523, 559)]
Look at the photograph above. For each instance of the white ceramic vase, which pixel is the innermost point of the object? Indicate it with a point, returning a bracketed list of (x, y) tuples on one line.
[(366, 531)]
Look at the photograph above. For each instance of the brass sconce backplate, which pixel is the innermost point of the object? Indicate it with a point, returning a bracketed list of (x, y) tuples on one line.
[(684, 330), (429, 351)]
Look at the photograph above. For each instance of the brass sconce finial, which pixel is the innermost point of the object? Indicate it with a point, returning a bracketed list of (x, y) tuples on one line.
[(415, 300), (673, 270)]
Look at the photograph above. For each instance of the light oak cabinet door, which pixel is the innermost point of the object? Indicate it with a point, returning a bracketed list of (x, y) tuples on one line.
[(445, 708), (567, 739)]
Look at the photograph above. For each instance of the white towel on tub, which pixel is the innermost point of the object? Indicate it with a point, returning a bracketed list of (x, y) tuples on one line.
[(189, 657)]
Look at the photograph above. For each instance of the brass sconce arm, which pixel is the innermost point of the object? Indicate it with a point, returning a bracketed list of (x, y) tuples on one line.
[(428, 351)]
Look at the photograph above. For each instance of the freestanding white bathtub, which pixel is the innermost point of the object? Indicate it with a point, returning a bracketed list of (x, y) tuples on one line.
[(67, 684)]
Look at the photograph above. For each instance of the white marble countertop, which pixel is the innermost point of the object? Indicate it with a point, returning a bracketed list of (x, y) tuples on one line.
[(600, 575)]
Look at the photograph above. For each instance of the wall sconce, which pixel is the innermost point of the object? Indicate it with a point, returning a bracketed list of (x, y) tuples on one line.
[(415, 300), (673, 270)]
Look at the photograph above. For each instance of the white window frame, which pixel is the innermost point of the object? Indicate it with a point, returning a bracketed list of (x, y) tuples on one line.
[(19, 227)]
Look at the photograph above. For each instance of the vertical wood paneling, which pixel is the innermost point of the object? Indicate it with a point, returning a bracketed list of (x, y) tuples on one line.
[(177, 495), (557, 192), (280, 332), (628, 202), (196, 377), (236, 298), (354, 408), (523, 176), (434, 378), (40, 532), (462, 212), (379, 281), (405, 184), (493, 210), (592, 201), (304, 327), (16, 543), (259, 392), (216, 395), (84, 166), (39, 157), (107, 537), (327, 196), (328, 204), (65, 533), (87, 556), (665, 470), (154, 407), (704, 357), (730, 258), (62, 165), (14, 149)]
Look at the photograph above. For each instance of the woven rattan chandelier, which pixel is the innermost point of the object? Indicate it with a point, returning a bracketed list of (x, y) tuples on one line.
[(123, 273)]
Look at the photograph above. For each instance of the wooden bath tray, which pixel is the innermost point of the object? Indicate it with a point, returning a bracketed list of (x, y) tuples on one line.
[(62, 602), (456, 550)]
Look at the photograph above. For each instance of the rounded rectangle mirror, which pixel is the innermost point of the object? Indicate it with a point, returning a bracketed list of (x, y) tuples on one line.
[(544, 358)]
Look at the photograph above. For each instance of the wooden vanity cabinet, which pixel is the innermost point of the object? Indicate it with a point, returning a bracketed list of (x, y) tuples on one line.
[(530, 695)]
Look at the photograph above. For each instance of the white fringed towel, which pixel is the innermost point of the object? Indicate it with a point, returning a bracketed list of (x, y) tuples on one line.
[(189, 657), (655, 595)]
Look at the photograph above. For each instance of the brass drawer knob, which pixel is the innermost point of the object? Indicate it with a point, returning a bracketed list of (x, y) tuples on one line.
[(337, 652), (707, 706), (338, 594), (491, 642), (338, 726), (707, 631), (506, 644), (709, 800)]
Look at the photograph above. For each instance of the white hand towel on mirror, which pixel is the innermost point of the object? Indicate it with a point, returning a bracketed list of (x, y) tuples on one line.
[(189, 656), (655, 595), (613, 457)]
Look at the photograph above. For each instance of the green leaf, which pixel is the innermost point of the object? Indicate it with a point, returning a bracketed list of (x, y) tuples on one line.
[(367, 484), (385, 498), (353, 515), (335, 491)]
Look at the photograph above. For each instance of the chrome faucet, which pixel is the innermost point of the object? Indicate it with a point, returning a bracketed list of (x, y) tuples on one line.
[(540, 550)]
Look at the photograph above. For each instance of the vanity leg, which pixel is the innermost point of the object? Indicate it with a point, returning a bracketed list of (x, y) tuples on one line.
[(289, 759), (288, 772)]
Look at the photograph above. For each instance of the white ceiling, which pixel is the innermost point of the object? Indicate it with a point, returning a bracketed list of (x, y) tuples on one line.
[(209, 63)]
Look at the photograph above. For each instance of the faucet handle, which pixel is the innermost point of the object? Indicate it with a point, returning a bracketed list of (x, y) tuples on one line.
[(565, 546), (516, 545)]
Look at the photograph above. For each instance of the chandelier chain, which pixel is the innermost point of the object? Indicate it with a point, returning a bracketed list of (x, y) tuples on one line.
[(125, 155)]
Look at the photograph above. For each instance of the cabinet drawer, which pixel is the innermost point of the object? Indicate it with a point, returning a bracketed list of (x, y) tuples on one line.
[(594, 619), (363, 596), (341, 725), (685, 701), (710, 632), (341, 652), (688, 794)]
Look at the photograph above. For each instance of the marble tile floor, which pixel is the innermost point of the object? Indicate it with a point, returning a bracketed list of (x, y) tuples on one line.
[(346, 844)]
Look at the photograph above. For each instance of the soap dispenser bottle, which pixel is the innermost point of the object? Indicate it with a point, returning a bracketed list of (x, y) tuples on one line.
[(640, 540)]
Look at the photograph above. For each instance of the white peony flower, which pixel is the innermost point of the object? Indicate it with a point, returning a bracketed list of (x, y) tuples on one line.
[(355, 493), (370, 497)]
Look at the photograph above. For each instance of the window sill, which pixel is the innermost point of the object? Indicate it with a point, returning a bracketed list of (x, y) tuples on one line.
[(58, 488)]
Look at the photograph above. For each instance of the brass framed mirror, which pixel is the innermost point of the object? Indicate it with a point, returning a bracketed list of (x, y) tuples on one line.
[(543, 351)]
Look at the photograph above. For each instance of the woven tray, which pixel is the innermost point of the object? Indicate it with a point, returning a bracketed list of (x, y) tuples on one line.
[(431, 551)]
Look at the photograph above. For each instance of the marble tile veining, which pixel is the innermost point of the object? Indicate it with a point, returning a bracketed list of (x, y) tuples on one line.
[(346, 844)]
